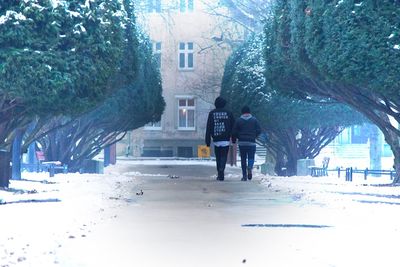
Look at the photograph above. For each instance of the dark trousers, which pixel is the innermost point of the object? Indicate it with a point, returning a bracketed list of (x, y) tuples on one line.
[(221, 156), (247, 154)]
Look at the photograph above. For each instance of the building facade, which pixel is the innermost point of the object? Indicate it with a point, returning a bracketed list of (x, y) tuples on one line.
[(191, 43), (358, 146)]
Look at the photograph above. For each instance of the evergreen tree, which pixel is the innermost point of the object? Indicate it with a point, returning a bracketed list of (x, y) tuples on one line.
[(347, 50), (59, 58), (129, 108), (56, 57), (282, 117)]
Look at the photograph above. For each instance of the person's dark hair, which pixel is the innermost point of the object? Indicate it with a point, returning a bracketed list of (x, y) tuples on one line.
[(245, 109), (220, 102)]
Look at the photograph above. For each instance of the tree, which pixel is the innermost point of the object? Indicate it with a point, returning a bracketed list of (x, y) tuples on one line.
[(347, 50), (282, 117), (69, 54), (250, 14), (56, 57), (129, 108)]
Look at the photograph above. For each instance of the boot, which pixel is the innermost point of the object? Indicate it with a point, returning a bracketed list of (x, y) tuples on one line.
[(249, 174), (220, 176), (244, 178)]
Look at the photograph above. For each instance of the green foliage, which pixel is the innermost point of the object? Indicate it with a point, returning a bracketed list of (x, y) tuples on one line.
[(138, 103), (347, 50), (282, 116), (60, 59), (243, 80), (245, 84), (341, 42), (130, 107), (358, 43)]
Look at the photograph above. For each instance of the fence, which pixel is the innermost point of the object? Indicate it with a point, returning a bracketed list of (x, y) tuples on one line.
[(349, 173)]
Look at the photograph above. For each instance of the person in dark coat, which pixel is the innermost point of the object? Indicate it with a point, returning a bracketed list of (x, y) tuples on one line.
[(246, 129), (219, 127)]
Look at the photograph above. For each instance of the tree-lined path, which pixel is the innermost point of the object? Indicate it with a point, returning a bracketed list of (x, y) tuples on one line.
[(186, 218)]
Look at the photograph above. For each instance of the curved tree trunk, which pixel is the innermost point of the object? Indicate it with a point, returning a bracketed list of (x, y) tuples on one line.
[(289, 147), (291, 166), (393, 140), (280, 164)]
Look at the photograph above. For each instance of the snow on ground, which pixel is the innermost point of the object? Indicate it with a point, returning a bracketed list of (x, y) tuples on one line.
[(40, 214), (167, 161), (42, 217)]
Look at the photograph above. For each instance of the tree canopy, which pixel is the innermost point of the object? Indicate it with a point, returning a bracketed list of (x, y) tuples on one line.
[(346, 50), (130, 107), (57, 57), (281, 115)]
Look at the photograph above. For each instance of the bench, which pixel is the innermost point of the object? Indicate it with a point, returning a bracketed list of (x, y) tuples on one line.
[(45, 166), (320, 171), (50, 166)]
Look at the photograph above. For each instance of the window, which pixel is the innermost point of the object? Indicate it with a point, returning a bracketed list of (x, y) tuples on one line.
[(186, 5), (186, 110), (154, 6), (359, 134), (345, 136), (153, 126), (186, 56), (157, 52), (185, 152), (156, 151)]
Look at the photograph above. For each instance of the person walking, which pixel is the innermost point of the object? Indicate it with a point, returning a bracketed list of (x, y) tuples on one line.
[(219, 127), (246, 129)]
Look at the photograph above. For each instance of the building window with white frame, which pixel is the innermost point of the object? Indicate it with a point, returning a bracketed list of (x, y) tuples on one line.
[(186, 112), (157, 52), (186, 5), (186, 60), (153, 126), (154, 6)]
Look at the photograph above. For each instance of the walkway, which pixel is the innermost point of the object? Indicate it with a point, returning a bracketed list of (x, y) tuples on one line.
[(185, 218)]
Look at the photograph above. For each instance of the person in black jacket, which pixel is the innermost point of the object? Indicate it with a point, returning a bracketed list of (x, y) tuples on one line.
[(246, 129), (219, 127)]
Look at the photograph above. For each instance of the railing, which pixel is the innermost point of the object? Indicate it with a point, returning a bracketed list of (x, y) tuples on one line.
[(349, 173)]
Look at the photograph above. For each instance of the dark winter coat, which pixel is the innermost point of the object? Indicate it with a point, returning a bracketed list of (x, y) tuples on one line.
[(219, 125), (246, 129)]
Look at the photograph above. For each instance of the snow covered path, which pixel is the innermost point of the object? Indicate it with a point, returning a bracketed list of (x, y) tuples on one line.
[(185, 218)]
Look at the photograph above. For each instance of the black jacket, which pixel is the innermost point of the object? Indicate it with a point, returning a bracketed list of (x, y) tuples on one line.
[(219, 125), (246, 128)]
